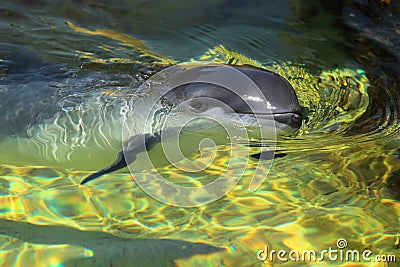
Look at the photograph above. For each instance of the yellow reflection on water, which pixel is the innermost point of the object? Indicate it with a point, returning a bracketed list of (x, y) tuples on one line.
[(36, 255), (304, 204)]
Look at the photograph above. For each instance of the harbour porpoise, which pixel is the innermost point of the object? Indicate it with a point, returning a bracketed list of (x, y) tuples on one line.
[(282, 108)]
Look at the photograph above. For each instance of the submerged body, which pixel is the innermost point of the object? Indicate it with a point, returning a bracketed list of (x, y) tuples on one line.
[(54, 117)]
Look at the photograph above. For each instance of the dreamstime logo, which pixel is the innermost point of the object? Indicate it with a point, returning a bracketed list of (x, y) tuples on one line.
[(331, 254), (186, 109), (341, 243)]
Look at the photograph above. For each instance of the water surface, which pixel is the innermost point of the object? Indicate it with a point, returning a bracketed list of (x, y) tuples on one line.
[(339, 178)]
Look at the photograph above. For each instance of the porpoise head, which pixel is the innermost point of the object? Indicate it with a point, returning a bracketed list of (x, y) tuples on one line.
[(279, 102)]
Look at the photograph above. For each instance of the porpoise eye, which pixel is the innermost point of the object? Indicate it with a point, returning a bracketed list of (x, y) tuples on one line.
[(196, 105)]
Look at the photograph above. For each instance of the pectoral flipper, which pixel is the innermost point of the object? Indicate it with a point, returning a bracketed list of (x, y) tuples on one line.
[(137, 144)]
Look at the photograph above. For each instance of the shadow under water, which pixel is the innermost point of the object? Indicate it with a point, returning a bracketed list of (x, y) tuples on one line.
[(94, 248)]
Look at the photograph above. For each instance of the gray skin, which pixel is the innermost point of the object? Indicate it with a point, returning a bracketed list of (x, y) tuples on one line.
[(283, 108)]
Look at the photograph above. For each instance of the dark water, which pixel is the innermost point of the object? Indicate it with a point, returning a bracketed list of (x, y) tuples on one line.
[(339, 178)]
